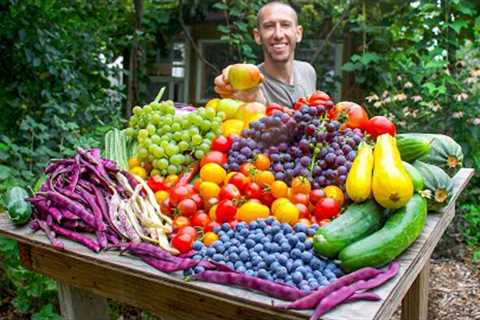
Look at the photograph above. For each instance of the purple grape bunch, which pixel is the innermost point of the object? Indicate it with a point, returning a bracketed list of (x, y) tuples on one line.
[(303, 144)]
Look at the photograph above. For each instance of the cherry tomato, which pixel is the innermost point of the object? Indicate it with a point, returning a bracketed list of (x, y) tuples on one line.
[(226, 211), (252, 190), (214, 157), (209, 190), (247, 169), (188, 230), (198, 200), (357, 117), (182, 242), (222, 144), (187, 207), (262, 162), (211, 225), (156, 183), (300, 102), (180, 222), (229, 192), (212, 212), (272, 108), (209, 238), (200, 219), (379, 125), (301, 185), (287, 212), (196, 185), (179, 193), (267, 198), (161, 195), (166, 206), (279, 189), (264, 178), (303, 209), (316, 195), (327, 208), (210, 203), (300, 198), (334, 192), (318, 97), (239, 180), (171, 180)]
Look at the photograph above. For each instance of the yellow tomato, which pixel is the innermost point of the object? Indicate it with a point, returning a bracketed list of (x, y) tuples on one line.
[(139, 171), (229, 175), (209, 189), (262, 162), (287, 212), (264, 178), (301, 185), (171, 179), (133, 162), (213, 172), (212, 213), (209, 238), (278, 202), (232, 127), (334, 192), (161, 195), (212, 104), (252, 210), (279, 189)]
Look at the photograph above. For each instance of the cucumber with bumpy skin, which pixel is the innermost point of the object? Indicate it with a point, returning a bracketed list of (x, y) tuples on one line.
[(383, 246), (412, 148), (357, 222)]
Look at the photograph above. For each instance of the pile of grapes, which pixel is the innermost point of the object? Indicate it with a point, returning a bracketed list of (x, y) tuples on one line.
[(268, 249), (305, 144), (171, 142)]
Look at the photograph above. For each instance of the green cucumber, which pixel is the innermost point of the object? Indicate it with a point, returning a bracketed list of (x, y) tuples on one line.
[(357, 222), (412, 148), (18, 208), (417, 178), (399, 232), (438, 185), (445, 152)]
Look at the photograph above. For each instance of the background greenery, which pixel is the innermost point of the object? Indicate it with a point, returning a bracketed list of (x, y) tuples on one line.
[(416, 61)]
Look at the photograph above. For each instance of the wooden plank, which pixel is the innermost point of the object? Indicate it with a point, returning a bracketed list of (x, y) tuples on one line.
[(415, 303), (235, 302), (78, 304)]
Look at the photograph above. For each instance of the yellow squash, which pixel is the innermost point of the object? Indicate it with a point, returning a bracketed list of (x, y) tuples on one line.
[(392, 186), (359, 179)]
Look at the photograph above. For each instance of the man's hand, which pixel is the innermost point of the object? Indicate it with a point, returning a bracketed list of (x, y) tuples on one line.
[(225, 90)]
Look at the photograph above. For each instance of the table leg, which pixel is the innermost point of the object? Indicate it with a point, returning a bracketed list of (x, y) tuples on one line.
[(415, 302), (79, 304)]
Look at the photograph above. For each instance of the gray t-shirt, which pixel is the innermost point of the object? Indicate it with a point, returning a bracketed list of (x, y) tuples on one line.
[(304, 83)]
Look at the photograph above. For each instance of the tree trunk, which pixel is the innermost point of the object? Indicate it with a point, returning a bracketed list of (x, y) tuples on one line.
[(136, 54)]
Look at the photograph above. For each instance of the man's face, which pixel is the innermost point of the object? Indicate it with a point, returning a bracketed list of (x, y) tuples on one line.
[(278, 33)]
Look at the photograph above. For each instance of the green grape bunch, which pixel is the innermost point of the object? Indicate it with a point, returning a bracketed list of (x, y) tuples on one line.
[(171, 142)]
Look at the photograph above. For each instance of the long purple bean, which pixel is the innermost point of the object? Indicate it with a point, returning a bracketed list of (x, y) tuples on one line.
[(311, 300), (50, 234), (75, 236), (379, 279), (41, 205), (167, 266), (147, 249), (368, 296), (75, 208), (101, 237), (273, 289)]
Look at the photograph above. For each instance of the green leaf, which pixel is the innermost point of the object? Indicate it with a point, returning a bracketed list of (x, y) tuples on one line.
[(223, 29), (476, 256), (349, 67), (458, 25), (5, 172), (220, 6), (46, 313), (369, 57)]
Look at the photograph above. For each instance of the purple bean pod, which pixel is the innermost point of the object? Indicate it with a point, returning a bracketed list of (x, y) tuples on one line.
[(271, 288), (146, 249), (368, 296), (41, 205), (77, 237), (73, 179), (167, 266), (312, 300), (50, 234)]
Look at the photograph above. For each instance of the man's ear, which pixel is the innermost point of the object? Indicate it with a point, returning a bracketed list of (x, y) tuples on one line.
[(299, 33), (256, 36)]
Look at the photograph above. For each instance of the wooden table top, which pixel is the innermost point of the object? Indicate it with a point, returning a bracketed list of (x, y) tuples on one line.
[(129, 280)]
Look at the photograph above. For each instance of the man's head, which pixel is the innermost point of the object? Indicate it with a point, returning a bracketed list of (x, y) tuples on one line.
[(278, 31)]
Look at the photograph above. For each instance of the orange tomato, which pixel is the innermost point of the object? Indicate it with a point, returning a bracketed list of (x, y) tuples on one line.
[(301, 185), (161, 195), (180, 222), (262, 162), (334, 192), (279, 189), (213, 172), (212, 213), (133, 162), (264, 178), (247, 169), (209, 238), (209, 189)]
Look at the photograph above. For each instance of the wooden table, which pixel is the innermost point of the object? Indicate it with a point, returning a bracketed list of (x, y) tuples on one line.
[(85, 278)]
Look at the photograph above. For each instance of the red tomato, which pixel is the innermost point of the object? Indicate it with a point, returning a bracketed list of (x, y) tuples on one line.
[(300, 198), (316, 195), (252, 190), (180, 222), (179, 193), (198, 200), (273, 107), (214, 157), (156, 183), (318, 97), (229, 192), (166, 206), (300, 102), (379, 125), (239, 180), (200, 219), (182, 242), (222, 144), (303, 209), (187, 207), (267, 198), (226, 211), (210, 226), (188, 230), (357, 117), (327, 208)]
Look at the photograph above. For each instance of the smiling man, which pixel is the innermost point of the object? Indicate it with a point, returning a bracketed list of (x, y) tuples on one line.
[(285, 79)]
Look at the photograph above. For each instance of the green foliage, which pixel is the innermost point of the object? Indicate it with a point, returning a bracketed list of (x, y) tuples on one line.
[(472, 228)]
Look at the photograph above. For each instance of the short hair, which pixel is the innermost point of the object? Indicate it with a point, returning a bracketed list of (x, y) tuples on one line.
[(276, 3)]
